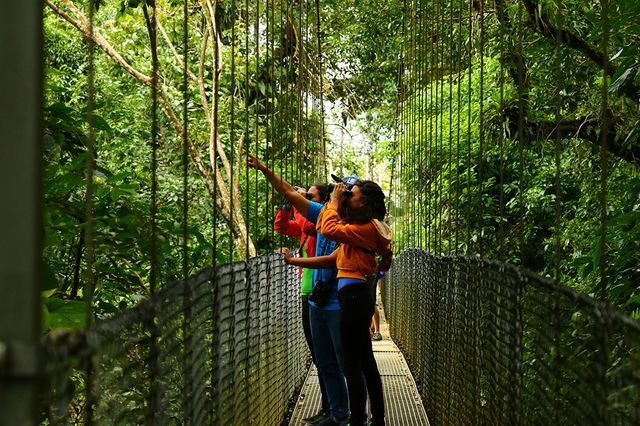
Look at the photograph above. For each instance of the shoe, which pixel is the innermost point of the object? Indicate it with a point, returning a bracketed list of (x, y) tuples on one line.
[(316, 418), (376, 336), (332, 421)]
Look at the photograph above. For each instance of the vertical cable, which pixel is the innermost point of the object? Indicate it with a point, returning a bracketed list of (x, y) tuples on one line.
[(604, 160), (469, 167), (188, 381), (450, 137), (256, 108), (185, 135), (232, 132), (429, 68), (419, 117), (402, 130), (320, 72), (214, 133), (89, 281), (215, 72), (521, 113), (153, 406), (268, 193), (557, 141), (414, 116), (501, 137), (247, 139), (480, 246), (458, 121), (440, 62)]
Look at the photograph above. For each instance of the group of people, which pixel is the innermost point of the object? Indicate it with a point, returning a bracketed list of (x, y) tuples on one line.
[(341, 232)]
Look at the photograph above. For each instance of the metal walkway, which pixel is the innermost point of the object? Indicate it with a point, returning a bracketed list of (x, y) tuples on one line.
[(402, 402)]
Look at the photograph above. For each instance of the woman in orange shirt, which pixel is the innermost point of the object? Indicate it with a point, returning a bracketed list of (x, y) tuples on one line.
[(354, 219)]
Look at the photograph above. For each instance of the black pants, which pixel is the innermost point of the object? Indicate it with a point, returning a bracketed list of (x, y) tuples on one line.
[(357, 308), (306, 326)]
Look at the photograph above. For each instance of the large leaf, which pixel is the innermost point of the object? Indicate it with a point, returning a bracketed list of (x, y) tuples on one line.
[(65, 313)]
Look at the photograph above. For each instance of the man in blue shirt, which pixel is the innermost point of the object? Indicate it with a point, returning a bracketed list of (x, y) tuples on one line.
[(325, 319)]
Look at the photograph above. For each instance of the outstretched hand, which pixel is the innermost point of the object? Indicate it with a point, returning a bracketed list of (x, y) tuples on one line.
[(254, 163), (287, 255)]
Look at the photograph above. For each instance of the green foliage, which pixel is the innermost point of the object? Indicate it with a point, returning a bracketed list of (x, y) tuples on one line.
[(468, 184)]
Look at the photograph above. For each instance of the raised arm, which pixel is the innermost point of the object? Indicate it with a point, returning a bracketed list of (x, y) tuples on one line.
[(282, 186)]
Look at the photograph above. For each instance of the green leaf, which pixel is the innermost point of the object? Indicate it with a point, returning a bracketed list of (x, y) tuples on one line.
[(620, 82), (100, 123), (65, 313)]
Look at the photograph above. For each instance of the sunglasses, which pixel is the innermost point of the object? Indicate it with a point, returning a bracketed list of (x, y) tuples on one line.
[(308, 196)]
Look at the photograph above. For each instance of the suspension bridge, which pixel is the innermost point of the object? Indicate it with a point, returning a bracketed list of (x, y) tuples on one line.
[(490, 333)]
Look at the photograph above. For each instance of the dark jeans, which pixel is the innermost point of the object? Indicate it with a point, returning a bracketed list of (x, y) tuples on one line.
[(357, 308), (325, 330), (306, 326)]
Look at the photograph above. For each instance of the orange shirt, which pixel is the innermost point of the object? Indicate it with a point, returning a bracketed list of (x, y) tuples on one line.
[(353, 262)]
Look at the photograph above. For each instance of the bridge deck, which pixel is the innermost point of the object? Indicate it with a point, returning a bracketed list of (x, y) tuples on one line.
[(402, 401)]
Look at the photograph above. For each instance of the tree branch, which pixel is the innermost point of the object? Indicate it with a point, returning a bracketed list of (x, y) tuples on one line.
[(585, 128), (83, 25), (192, 76), (539, 22)]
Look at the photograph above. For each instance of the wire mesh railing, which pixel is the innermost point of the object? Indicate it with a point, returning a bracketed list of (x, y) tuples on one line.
[(224, 346), (489, 343)]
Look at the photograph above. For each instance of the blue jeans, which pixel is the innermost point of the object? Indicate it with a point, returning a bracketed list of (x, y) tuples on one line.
[(327, 343), (306, 326)]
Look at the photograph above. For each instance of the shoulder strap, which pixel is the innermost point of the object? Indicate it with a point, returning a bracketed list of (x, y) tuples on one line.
[(304, 241)]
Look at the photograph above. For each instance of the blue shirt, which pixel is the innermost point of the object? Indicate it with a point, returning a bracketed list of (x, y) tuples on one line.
[(324, 247)]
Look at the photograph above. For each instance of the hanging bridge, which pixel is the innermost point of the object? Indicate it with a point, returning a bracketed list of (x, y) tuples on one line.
[(490, 333)]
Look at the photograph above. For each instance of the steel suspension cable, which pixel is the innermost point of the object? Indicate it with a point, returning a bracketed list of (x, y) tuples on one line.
[(520, 135), (419, 118), (256, 108), (501, 138), (402, 131), (153, 407), (414, 118), (427, 121), (458, 121), (481, 130), (320, 72), (215, 326), (557, 143), (469, 167), (247, 139), (89, 278), (188, 382), (604, 153), (440, 69), (450, 135), (232, 131)]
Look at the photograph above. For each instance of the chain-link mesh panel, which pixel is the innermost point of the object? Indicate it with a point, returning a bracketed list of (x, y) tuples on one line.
[(224, 347), (492, 344)]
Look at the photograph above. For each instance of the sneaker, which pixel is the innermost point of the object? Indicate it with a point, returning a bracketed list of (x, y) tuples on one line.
[(332, 421), (316, 418), (376, 336)]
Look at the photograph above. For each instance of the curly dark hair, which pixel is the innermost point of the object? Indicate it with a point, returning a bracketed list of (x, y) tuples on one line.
[(323, 190), (374, 206)]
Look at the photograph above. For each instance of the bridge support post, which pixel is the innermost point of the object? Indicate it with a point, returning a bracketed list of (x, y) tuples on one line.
[(20, 215)]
